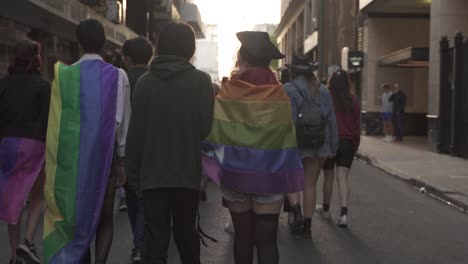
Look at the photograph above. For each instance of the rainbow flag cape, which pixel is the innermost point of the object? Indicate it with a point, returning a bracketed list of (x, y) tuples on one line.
[(80, 142), (252, 144), (21, 161)]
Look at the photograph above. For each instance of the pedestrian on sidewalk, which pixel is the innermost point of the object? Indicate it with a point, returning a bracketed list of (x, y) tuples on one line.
[(387, 112), (251, 150), (312, 101), (172, 114), (136, 53), (398, 99), (348, 117), (89, 115), (24, 110)]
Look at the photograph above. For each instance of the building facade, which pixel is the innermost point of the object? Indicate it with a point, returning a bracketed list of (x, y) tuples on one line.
[(319, 29), (147, 17), (52, 23), (401, 42)]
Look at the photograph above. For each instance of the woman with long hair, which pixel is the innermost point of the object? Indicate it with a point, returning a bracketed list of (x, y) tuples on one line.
[(348, 117), (304, 89), (251, 150), (24, 109)]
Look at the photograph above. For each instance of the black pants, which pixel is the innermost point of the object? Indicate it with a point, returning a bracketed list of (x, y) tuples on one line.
[(163, 207), (398, 119)]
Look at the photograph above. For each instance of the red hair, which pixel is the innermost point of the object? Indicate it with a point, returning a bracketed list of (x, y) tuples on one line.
[(26, 57)]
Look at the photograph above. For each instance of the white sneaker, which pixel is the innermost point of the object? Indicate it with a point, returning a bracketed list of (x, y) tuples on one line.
[(324, 214), (342, 221), (229, 227)]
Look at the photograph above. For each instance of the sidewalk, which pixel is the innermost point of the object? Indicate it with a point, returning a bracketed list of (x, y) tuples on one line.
[(442, 175)]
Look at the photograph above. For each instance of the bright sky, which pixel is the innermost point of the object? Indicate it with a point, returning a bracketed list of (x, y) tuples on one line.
[(233, 16)]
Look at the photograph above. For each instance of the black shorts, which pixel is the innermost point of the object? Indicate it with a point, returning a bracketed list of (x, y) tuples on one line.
[(344, 156)]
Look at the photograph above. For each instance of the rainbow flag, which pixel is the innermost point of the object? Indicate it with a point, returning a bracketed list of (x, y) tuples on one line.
[(252, 144), (21, 161), (80, 142)]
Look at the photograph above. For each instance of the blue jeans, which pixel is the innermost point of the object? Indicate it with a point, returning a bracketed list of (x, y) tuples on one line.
[(136, 215)]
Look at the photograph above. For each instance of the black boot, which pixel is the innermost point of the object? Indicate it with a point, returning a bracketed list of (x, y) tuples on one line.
[(306, 232), (298, 219)]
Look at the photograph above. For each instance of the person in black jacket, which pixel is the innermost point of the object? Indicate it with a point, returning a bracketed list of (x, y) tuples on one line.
[(24, 110), (136, 54), (172, 113), (399, 105)]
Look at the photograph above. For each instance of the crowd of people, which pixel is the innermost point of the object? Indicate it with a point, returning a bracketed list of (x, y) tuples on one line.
[(160, 129)]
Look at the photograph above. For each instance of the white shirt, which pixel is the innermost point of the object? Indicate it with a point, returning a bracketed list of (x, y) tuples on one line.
[(387, 106), (123, 111)]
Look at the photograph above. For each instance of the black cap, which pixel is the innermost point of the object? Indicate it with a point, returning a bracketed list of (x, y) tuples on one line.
[(258, 44), (302, 64)]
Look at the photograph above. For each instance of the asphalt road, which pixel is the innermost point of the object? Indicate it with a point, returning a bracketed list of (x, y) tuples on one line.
[(390, 222)]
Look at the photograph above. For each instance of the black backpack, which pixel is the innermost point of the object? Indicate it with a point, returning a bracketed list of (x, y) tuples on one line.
[(310, 122)]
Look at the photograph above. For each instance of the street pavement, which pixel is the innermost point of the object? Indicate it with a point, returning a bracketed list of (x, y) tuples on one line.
[(413, 161), (390, 222)]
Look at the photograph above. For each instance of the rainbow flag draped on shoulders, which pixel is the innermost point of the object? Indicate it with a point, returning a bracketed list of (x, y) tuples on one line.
[(79, 151), (252, 144)]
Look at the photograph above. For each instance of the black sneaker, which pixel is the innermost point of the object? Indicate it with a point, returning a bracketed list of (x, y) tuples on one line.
[(27, 251), (203, 196), (306, 231), (297, 219), (123, 205), (136, 258)]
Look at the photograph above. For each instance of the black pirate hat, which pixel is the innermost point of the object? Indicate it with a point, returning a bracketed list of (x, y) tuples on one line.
[(258, 44)]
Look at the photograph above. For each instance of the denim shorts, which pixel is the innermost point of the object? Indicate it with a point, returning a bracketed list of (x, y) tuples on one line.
[(234, 196), (387, 116)]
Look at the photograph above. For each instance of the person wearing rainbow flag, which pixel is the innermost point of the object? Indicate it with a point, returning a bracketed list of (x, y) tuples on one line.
[(24, 109), (251, 150), (89, 115)]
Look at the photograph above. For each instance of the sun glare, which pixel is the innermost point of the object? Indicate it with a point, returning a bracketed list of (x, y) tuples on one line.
[(233, 16)]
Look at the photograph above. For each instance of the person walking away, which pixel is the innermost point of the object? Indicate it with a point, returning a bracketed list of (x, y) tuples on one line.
[(317, 135), (251, 150), (136, 55), (387, 112), (399, 106), (24, 110), (89, 115), (172, 114), (348, 118)]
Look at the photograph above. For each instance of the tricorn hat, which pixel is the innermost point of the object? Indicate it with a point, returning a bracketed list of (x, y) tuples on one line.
[(258, 44), (302, 64)]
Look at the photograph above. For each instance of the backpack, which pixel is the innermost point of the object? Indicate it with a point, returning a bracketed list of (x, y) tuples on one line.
[(310, 123)]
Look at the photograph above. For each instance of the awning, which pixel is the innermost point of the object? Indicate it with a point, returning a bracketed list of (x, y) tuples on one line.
[(406, 58), (388, 7)]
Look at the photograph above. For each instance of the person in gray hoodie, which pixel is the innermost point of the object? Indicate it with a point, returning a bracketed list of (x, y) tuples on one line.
[(172, 114)]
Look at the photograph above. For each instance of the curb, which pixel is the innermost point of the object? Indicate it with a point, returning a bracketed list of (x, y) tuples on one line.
[(416, 183)]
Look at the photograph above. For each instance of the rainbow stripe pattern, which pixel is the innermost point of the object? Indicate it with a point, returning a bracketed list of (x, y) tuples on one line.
[(252, 144), (80, 141), (21, 161)]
